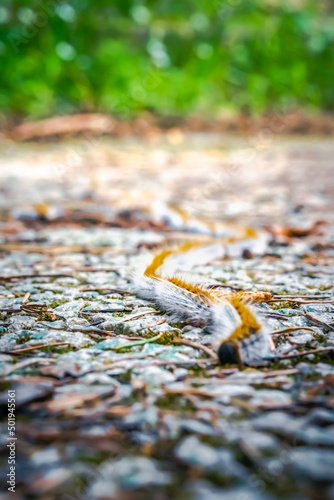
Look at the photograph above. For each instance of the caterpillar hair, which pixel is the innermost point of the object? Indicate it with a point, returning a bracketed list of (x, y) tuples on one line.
[(236, 333)]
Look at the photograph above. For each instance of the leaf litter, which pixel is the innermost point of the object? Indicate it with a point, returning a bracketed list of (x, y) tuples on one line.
[(115, 399)]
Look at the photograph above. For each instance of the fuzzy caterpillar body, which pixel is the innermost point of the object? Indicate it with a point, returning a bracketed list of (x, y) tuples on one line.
[(229, 318)]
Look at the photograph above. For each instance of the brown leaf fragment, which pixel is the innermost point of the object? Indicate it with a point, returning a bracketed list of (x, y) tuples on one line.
[(284, 233), (65, 125), (33, 347), (306, 353), (327, 384), (73, 400), (26, 392)]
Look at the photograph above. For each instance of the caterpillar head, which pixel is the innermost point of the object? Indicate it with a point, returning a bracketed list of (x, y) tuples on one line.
[(248, 351), (225, 321), (228, 353), (248, 343)]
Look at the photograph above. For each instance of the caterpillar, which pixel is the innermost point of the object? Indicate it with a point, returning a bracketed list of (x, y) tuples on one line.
[(236, 333)]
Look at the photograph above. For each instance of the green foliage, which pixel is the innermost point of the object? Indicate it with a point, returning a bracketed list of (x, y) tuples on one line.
[(171, 57)]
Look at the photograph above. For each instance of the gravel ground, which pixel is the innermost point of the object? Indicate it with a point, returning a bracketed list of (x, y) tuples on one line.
[(103, 414)]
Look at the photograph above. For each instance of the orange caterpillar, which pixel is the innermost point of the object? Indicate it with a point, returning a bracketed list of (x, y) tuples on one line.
[(237, 334)]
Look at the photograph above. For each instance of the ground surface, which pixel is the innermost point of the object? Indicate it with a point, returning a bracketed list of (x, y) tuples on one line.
[(161, 420)]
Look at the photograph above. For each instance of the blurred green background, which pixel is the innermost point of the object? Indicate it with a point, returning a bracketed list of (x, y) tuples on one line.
[(170, 57)]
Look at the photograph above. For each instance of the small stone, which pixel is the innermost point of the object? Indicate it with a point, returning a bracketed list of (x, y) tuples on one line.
[(195, 453), (311, 463), (316, 436), (45, 457), (261, 441), (270, 397), (320, 416), (278, 422), (128, 473)]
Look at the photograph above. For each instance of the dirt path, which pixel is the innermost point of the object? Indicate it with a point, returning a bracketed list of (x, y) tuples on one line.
[(97, 418)]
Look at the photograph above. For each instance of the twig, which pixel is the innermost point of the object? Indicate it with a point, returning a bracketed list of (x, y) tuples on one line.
[(190, 391), (52, 327), (305, 353), (303, 301), (196, 345), (32, 348), (95, 270), (140, 314), (157, 323), (221, 285), (199, 362), (110, 333), (27, 362), (106, 291), (58, 275), (292, 329), (48, 249), (279, 316), (26, 276), (317, 322), (119, 309), (33, 309), (305, 297)]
